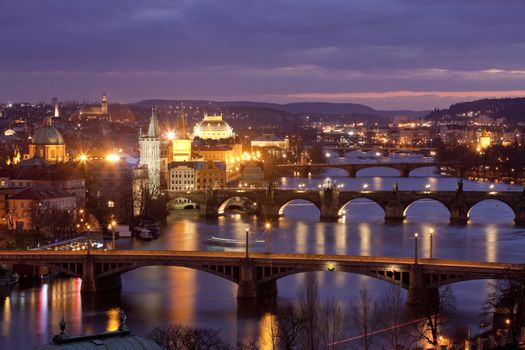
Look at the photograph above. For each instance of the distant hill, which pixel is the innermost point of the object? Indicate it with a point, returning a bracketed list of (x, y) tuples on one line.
[(512, 109), (298, 108)]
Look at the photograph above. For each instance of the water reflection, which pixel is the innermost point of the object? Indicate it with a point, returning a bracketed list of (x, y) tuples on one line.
[(154, 296)]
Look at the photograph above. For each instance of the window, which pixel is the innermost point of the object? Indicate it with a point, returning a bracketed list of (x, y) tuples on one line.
[(111, 204)]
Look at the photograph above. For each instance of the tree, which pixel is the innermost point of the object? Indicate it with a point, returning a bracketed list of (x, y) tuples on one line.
[(393, 313), (178, 337), (287, 326), (309, 308), (434, 310), (363, 314), (333, 324), (505, 306)]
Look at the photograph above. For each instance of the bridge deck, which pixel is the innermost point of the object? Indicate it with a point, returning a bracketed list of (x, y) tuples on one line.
[(35, 255)]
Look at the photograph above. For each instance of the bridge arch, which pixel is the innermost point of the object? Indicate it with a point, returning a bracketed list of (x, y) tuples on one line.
[(363, 203), (302, 201), (394, 172), (498, 206), (430, 170), (429, 202), (236, 201)]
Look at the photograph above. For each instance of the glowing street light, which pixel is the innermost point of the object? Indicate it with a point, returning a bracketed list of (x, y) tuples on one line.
[(431, 231), (365, 186), (113, 224), (415, 247), (112, 157), (170, 135), (83, 157), (267, 228)]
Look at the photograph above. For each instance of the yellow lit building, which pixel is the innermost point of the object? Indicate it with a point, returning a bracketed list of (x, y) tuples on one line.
[(213, 127), (47, 143), (484, 139), (181, 150)]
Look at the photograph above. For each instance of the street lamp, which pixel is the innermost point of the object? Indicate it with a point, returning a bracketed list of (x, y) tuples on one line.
[(247, 245), (431, 231), (113, 223), (415, 248), (267, 228)]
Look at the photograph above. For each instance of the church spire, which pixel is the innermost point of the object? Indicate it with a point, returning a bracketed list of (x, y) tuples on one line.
[(182, 123), (153, 129)]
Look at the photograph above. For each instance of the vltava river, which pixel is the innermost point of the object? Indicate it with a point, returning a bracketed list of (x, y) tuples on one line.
[(29, 315)]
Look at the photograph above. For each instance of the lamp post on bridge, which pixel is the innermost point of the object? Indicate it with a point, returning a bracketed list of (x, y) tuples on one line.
[(247, 244), (415, 247), (267, 228), (431, 242)]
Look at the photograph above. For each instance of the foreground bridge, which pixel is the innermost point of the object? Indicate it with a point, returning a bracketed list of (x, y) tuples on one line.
[(352, 169), (331, 202), (256, 275)]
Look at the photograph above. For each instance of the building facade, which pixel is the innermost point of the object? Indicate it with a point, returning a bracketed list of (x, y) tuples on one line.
[(47, 143)]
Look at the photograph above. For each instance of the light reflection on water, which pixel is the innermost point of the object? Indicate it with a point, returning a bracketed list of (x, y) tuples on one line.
[(152, 296)]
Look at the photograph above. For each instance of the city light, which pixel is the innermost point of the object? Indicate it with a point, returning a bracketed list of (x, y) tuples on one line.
[(83, 157), (170, 135), (112, 157)]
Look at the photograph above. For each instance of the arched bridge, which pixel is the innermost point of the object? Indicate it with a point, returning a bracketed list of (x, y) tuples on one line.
[(331, 202), (352, 169), (256, 275)]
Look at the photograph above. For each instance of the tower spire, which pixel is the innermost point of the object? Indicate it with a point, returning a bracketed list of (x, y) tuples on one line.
[(153, 129), (182, 123)]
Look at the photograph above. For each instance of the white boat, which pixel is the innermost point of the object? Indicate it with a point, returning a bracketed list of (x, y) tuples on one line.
[(123, 230), (144, 233), (230, 242)]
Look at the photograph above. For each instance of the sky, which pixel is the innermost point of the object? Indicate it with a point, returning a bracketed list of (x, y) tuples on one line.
[(389, 54)]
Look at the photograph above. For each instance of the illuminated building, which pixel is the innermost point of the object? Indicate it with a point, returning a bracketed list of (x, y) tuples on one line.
[(252, 175), (181, 176), (96, 112), (484, 139), (47, 143), (181, 144), (23, 204), (210, 175), (150, 153), (213, 127), (270, 141), (214, 140)]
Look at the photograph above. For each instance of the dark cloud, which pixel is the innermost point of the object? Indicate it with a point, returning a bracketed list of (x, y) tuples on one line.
[(235, 48)]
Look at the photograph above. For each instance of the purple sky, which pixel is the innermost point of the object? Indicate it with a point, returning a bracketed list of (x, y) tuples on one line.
[(384, 53)]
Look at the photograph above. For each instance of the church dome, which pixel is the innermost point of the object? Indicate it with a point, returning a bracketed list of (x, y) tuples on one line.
[(213, 127), (47, 135)]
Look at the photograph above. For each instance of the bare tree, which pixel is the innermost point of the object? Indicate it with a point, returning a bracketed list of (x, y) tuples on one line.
[(393, 313), (309, 306), (288, 325), (363, 314), (505, 306), (177, 337), (333, 324), (434, 309)]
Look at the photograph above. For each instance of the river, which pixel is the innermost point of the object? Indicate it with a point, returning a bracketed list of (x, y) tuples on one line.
[(153, 296)]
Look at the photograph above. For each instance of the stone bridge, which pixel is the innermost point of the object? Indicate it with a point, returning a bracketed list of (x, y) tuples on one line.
[(270, 203), (352, 169), (256, 274)]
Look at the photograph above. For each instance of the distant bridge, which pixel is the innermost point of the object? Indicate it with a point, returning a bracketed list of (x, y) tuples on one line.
[(270, 203), (256, 275), (342, 149), (404, 169)]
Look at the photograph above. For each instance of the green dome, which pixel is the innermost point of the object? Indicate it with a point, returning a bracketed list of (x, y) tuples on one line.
[(47, 135)]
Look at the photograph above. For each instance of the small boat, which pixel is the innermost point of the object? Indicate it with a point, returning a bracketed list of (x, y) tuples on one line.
[(230, 242), (144, 233), (7, 277)]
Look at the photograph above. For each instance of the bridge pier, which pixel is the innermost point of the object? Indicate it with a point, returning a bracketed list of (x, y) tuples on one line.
[(421, 298), (92, 284), (394, 211), (458, 213), (249, 287), (352, 171), (209, 209), (519, 219), (405, 172), (329, 214), (270, 210)]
